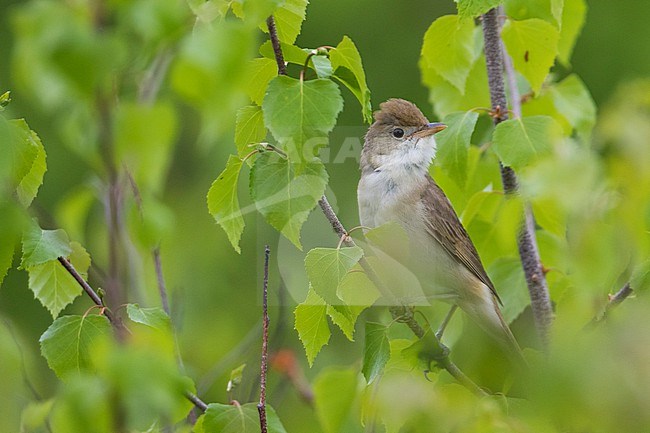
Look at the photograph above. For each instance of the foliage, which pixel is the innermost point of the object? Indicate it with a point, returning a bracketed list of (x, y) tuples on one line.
[(120, 90)]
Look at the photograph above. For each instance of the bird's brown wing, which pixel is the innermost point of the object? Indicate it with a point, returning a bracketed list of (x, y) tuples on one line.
[(445, 227)]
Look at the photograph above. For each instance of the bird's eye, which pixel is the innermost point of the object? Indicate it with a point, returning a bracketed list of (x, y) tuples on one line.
[(398, 133)]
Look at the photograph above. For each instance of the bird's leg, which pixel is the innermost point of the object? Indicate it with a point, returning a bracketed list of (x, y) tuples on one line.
[(445, 322)]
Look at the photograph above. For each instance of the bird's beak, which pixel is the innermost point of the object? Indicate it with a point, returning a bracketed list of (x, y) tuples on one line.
[(430, 129)]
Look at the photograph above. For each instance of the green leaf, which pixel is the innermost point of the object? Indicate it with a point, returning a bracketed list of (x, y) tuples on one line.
[(311, 324), (322, 65), (290, 52), (296, 111), (326, 268), (356, 290), (35, 415), (474, 8), (144, 135), (390, 238), (53, 286), (547, 10), (348, 68), (334, 393), (448, 48), (453, 144), (255, 11), (154, 317), (223, 202), (533, 45), (574, 13), (18, 151), (519, 142), (572, 98), (224, 418), (249, 129), (40, 246), (12, 223), (235, 378), (508, 277), (260, 72), (345, 317), (289, 18), (68, 343), (447, 99), (285, 193), (33, 179), (376, 351), (79, 258)]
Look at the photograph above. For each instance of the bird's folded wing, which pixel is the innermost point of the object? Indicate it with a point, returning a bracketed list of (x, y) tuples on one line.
[(444, 226)]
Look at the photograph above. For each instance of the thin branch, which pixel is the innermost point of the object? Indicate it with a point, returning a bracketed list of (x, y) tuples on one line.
[(196, 401), (162, 288), (277, 48), (115, 321), (614, 300), (261, 407), (526, 240)]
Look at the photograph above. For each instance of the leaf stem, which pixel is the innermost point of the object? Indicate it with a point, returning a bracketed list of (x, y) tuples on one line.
[(526, 240)]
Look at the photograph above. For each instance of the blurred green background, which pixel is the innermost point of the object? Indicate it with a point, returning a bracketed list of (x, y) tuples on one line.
[(214, 291)]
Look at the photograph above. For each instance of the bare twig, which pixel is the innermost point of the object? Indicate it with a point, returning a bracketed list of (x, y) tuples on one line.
[(261, 407), (162, 288), (526, 240), (614, 300), (196, 401)]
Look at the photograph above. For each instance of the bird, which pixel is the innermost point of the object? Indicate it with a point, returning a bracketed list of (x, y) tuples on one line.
[(396, 187)]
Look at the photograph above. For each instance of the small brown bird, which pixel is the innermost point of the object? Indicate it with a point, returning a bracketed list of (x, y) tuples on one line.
[(396, 187)]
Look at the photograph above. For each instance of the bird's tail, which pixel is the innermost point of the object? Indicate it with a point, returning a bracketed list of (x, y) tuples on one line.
[(487, 314)]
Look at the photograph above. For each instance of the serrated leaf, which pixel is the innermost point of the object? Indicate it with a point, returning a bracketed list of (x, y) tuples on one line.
[(12, 224), (40, 246), (285, 193), (153, 317), (249, 129), (547, 10), (453, 144), (18, 151), (144, 135), (533, 45), (79, 258), (311, 324), (291, 53), (573, 100), (33, 179), (574, 13), (53, 286), (390, 238), (376, 351), (322, 65), (259, 72), (474, 8), (345, 317), (508, 277), (289, 18), (356, 289), (447, 99), (297, 110), (348, 68), (224, 418), (326, 268), (334, 392), (223, 202), (68, 343), (519, 142), (448, 48)]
